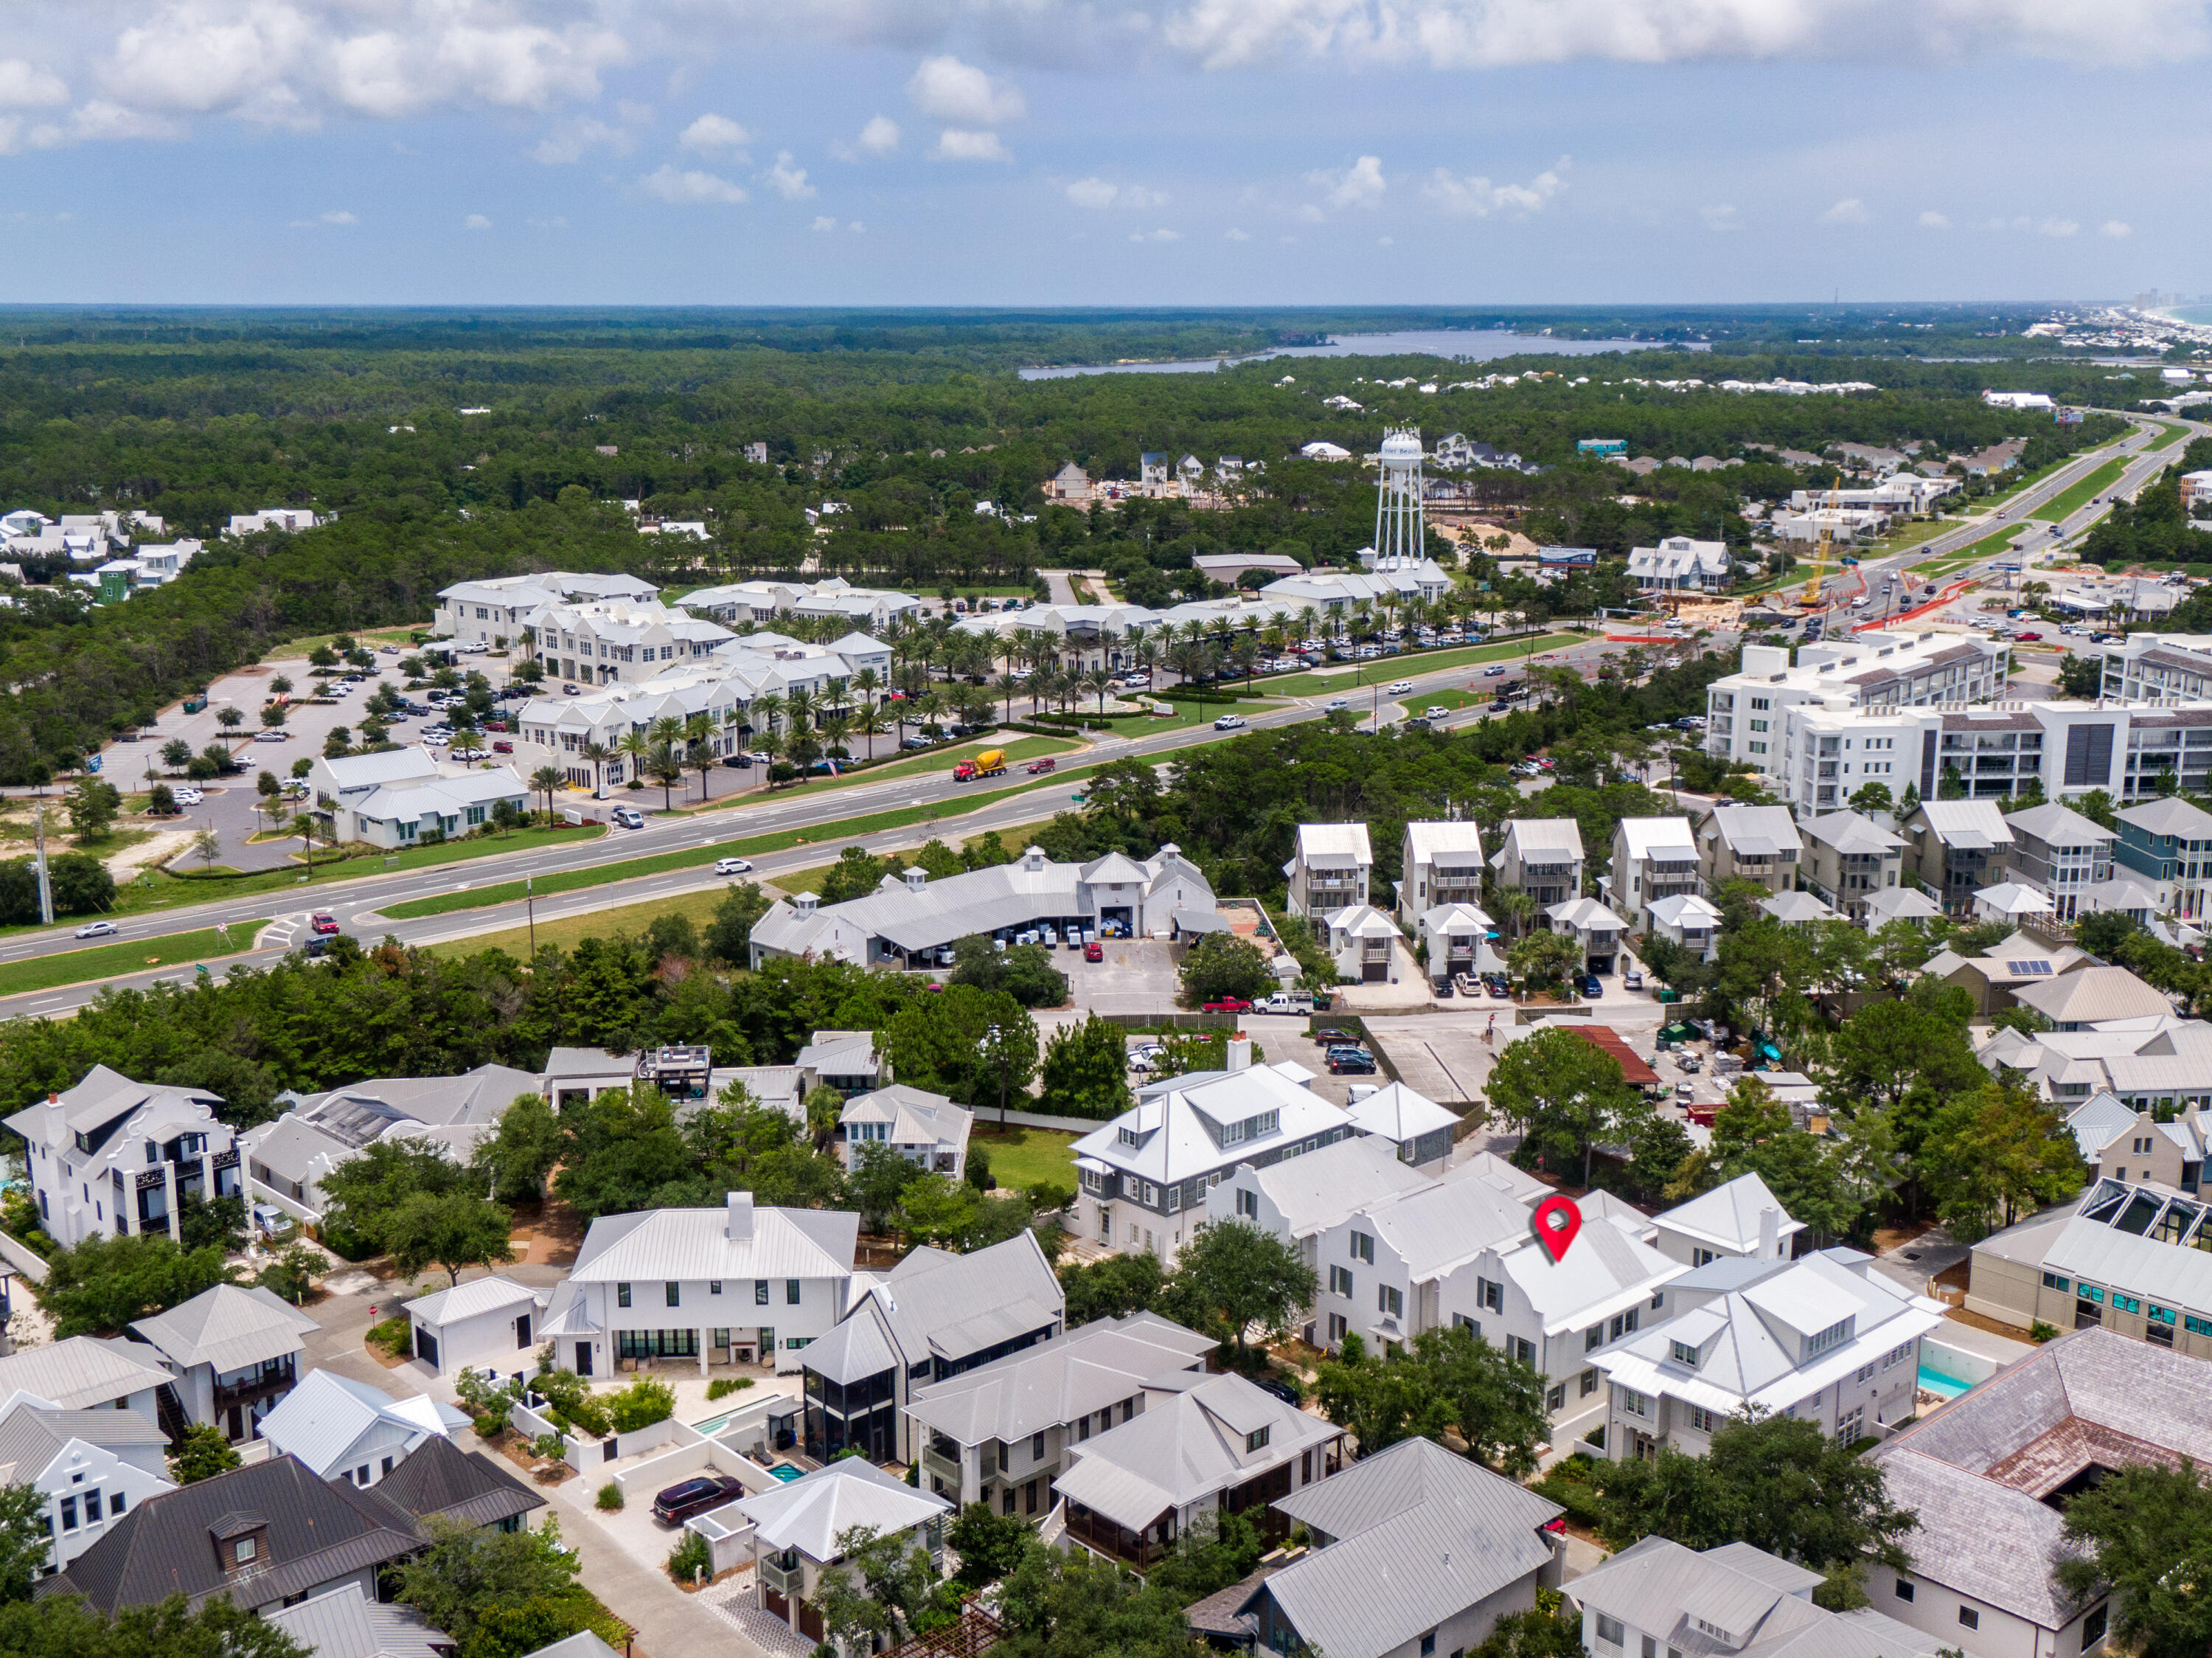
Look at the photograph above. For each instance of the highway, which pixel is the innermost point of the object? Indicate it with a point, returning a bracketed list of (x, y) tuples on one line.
[(356, 903)]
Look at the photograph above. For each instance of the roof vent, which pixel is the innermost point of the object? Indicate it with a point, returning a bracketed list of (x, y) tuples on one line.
[(1033, 859), (916, 878), (740, 1224), (805, 902)]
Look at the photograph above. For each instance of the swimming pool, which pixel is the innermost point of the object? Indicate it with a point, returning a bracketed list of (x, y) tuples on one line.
[(786, 1472), (1943, 1387), (714, 1425)]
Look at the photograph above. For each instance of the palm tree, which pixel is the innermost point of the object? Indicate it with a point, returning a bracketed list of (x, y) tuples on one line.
[(868, 723), (1098, 682), (599, 754), (931, 708), (1006, 684), (866, 683), (545, 780), (770, 742), (1037, 682), (666, 767), (699, 749), (834, 732), (1148, 658), (634, 747)]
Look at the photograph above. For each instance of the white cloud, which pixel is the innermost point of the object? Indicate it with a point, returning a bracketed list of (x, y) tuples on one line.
[(1495, 33), (880, 136), (715, 135), (858, 229), (2115, 229), (1156, 236), (1474, 196), (1721, 216), (476, 221), (1932, 220), (1099, 194), (790, 181), (2056, 227), (1234, 234), (26, 86), (963, 95), (956, 145), (1850, 211), (683, 189), (1385, 241), (548, 224), (1309, 215), (571, 141), (1360, 185), (825, 224), (338, 216)]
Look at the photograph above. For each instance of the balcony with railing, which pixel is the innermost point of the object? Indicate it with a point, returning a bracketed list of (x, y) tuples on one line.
[(251, 1385), (943, 1461), (782, 1574)]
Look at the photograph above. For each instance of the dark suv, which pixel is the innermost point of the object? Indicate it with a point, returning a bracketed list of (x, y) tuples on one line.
[(679, 1502)]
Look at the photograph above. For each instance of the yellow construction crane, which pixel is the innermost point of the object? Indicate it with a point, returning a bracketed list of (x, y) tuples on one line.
[(1832, 501)]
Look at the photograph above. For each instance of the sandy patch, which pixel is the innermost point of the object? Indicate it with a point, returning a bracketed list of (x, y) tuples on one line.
[(157, 848)]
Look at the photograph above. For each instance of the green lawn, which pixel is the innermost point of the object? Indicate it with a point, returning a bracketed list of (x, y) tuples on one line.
[(1359, 676), (2167, 433), (155, 890), (1024, 1156), (1422, 700), (601, 923), (2075, 497), (689, 857), (120, 960)]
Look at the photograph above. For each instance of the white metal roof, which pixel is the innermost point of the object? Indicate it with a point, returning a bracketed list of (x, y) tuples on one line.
[(812, 1512)]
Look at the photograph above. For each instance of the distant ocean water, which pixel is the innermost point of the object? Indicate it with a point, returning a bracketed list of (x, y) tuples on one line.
[(1469, 344), (2197, 314)]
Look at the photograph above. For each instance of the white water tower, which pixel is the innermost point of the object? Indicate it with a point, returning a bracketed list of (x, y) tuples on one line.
[(1399, 532)]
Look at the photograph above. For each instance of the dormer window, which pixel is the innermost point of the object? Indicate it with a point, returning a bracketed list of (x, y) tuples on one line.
[(1685, 1353), (241, 1542), (1257, 1439), (1834, 1336)]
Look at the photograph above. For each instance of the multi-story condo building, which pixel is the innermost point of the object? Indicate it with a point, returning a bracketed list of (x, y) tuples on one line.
[(1443, 863), (618, 640), (1329, 869), (1653, 858), (2058, 852), (494, 611), (1849, 858), (2168, 841), (1541, 858), (1865, 670), (2165, 669)]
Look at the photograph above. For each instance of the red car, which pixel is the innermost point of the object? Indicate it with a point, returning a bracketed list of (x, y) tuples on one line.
[(1229, 1004), (502, 746), (1094, 952), (324, 922), (1048, 763)]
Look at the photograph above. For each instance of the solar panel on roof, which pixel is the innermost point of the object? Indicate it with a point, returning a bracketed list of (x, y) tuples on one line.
[(2023, 969)]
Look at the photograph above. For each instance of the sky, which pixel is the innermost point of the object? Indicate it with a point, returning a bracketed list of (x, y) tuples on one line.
[(1101, 152)]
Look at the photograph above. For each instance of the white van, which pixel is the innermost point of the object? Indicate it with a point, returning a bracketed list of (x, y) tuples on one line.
[(627, 817)]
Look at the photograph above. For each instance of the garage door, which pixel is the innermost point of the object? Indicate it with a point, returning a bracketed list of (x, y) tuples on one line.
[(1374, 972), (426, 1347)]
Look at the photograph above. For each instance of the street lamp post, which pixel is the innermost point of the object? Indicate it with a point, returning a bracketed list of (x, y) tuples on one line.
[(999, 1059)]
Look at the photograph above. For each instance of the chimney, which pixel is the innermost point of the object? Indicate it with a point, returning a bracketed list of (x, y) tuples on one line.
[(1770, 1235), (805, 902), (915, 878), (740, 1224), (1240, 1052), (53, 1099)]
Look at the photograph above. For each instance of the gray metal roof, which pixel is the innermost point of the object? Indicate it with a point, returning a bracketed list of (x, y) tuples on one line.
[(1420, 1535), (1755, 830), (1850, 832), (1730, 1215), (471, 1300), (31, 1439), (81, 1372), (2089, 995), (1315, 1191), (229, 1327), (582, 1644), (324, 1417), (1057, 1382), (1658, 1587), (1186, 1446), (466, 1487), (346, 1624), (812, 1512), (694, 1243)]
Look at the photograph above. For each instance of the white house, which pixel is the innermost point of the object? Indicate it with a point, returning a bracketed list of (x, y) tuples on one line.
[(402, 796), (1678, 564), (1595, 928), (91, 1466), (1461, 1250), (924, 1128), (83, 1372), (1653, 858), (1541, 857), (1364, 943), (1442, 864), (234, 1353), (111, 1157), (1658, 1596), (346, 1429), (1330, 869), (1742, 1220), (798, 1527), (1824, 1338), (1456, 938), (486, 1324), (679, 1284), (287, 519), (1687, 920)]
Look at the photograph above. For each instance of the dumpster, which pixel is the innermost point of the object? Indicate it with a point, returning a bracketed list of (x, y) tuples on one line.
[(195, 704)]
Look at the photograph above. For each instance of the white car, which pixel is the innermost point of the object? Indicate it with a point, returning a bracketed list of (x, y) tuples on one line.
[(187, 796), (1434, 713), (272, 734), (733, 867), (1230, 722), (1333, 703), (98, 929), (1401, 687)]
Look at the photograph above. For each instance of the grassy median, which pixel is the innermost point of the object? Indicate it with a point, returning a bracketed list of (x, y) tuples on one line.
[(121, 960)]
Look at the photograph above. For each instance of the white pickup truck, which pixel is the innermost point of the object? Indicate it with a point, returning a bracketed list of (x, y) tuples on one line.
[(1284, 1002)]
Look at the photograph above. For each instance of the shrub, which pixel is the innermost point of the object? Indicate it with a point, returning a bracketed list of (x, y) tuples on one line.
[(572, 1402), (690, 1560), (395, 1335), (610, 1497), (2039, 1332), (644, 1402), (550, 1446), (723, 1387)]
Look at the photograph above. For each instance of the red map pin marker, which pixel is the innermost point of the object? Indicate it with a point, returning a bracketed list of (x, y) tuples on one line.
[(1557, 1222)]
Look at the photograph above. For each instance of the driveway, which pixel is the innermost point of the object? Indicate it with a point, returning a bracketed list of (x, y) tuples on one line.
[(1137, 975)]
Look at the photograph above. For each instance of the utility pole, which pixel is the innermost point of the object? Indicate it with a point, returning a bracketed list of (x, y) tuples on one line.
[(530, 910), (45, 886)]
